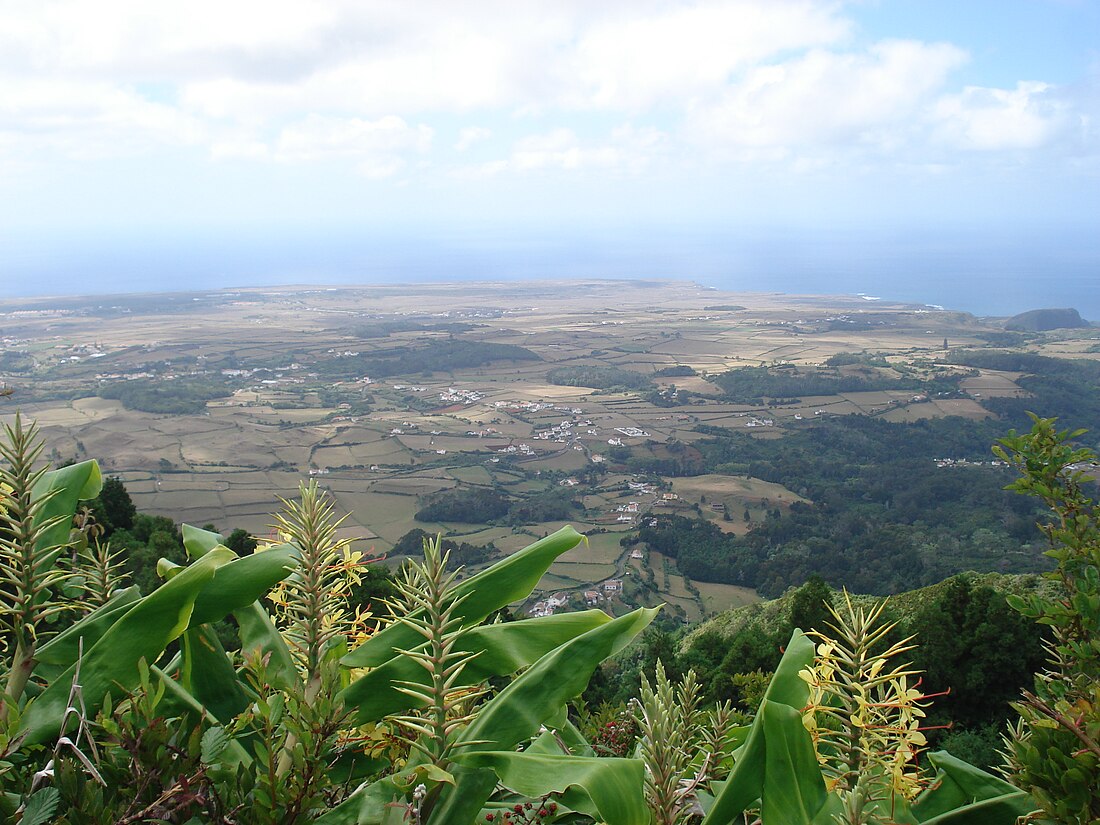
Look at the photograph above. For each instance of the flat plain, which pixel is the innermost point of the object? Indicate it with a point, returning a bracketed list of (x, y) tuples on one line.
[(287, 384)]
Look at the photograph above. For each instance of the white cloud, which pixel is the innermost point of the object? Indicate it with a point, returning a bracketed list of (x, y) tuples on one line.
[(470, 135), (89, 119), (1026, 117), (375, 146), (683, 51), (302, 81), (824, 98), (626, 150), (318, 137)]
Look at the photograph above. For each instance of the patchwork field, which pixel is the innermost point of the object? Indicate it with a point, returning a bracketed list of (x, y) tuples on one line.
[(210, 417)]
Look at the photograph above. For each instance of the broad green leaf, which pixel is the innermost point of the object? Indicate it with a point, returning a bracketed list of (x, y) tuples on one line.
[(462, 803), (794, 790), (745, 783), (516, 713), (69, 485), (507, 581), (999, 810), (366, 805), (198, 542), (62, 649), (178, 701), (425, 772), (205, 673), (256, 631), (609, 790), (258, 636), (560, 731), (503, 649), (962, 793), (242, 582), (111, 665)]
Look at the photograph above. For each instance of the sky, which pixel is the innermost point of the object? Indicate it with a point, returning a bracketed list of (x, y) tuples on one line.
[(219, 142)]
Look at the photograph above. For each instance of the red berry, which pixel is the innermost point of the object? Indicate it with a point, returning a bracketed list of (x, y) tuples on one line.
[(489, 817)]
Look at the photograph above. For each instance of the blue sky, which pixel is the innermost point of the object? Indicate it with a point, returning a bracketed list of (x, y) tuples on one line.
[(125, 123)]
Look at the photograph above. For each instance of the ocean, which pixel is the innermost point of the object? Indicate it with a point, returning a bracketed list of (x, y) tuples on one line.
[(989, 273)]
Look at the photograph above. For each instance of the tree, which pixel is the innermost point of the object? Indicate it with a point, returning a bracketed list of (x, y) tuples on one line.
[(241, 542), (811, 605), (114, 508), (1054, 750), (975, 645)]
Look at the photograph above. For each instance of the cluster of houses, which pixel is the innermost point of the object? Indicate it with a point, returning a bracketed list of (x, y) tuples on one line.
[(123, 376), (549, 605), (535, 406), (607, 589), (592, 598), (522, 449), (457, 396), (760, 422), (561, 432), (963, 462)]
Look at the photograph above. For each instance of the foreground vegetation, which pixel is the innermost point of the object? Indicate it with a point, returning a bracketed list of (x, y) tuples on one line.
[(124, 706)]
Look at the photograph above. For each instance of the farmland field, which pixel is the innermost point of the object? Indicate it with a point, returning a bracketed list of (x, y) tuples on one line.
[(321, 399)]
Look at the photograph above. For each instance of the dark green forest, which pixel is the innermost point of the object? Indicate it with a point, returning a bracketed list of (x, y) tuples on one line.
[(435, 356), (182, 396), (599, 378)]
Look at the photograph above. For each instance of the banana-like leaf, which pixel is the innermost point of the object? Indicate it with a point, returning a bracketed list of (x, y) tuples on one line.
[(366, 806), (516, 713), (255, 628), (502, 649), (243, 581), (258, 635), (794, 790), (111, 664), (178, 701), (745, 784), (198, 542), (205, 673), (507, 581), (63, 648), (69, 485), (561, 737), (463, 802), (962, 794), (609, 790)]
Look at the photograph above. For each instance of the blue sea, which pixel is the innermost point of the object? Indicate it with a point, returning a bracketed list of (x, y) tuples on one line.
[(985, 272)]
